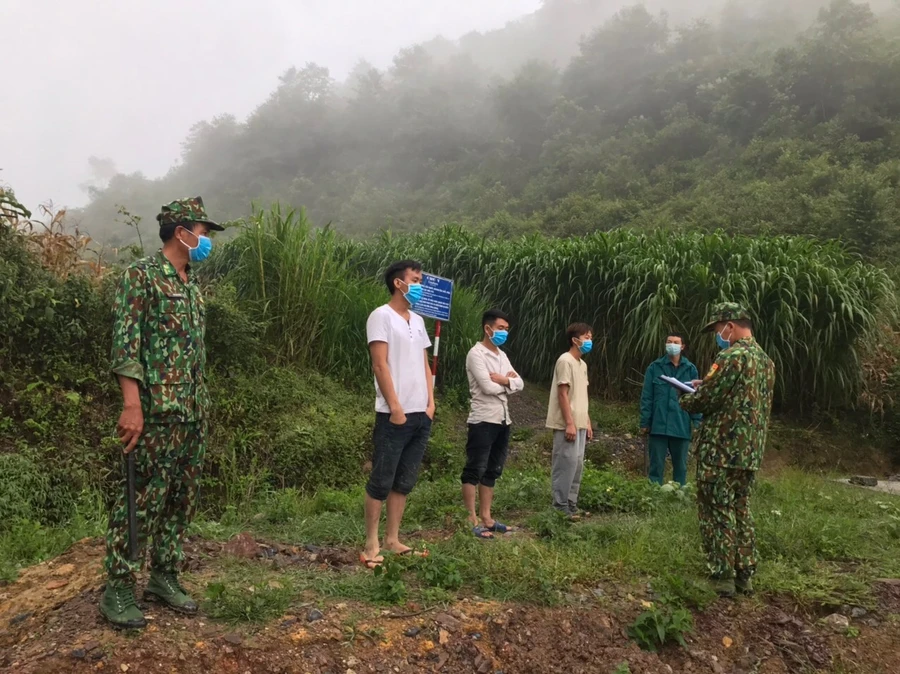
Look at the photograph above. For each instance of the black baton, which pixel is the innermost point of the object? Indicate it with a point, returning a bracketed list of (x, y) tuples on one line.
[(132, 509)]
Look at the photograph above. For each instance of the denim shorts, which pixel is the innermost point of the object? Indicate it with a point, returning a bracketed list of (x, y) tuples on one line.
[(398, 454)]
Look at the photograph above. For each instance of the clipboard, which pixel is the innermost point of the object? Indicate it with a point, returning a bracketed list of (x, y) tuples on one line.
[(680, 385)]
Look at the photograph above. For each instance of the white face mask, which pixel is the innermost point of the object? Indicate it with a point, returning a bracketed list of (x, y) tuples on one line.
[(673, 349)]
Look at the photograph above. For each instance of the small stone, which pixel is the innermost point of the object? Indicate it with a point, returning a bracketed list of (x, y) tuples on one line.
[(22, 617), (864, 481), (836, 622), (598, 592), (233, 638), (91, 646), (243, 546), (352, 661), (858, 612), (123, 667), (447, 621), (443, 637), (65, 570), (56, 584), (79, 654), (412, 632), (314, 615)]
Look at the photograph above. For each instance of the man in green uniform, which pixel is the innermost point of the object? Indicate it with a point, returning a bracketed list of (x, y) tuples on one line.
[(158, 356), (667, 425), (735, 399)]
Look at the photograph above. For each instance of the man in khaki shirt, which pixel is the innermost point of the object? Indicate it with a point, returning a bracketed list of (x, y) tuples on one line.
[(567, 416)]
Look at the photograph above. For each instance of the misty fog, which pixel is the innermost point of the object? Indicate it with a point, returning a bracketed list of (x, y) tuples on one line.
[(512, 116), (127, 80)]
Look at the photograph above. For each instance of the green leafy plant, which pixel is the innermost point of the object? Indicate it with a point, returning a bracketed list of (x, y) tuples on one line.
[(390, 587), (440, 571), (253, 603), (660, 625)]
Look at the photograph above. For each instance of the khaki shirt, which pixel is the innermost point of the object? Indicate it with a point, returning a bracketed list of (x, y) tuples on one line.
[(572, 371)]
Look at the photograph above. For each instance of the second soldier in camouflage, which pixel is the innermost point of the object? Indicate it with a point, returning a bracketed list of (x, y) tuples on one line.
[(159, 357), (735, 399)]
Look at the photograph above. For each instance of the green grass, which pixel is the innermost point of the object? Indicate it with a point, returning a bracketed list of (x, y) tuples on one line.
[(820, 543), (24, 542)]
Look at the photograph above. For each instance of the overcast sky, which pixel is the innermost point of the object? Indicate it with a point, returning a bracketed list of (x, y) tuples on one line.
[(127, 78)]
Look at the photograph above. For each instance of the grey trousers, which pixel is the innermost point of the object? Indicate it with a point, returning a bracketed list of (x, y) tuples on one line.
[(567, 466)]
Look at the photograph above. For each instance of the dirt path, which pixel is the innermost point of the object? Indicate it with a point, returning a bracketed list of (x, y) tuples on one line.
[(49, 623)]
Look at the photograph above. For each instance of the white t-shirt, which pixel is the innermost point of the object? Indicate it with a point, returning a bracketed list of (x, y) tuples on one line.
[(406, 343)]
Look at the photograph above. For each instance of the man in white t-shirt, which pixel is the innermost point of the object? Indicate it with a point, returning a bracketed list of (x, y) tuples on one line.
[(404, 406)]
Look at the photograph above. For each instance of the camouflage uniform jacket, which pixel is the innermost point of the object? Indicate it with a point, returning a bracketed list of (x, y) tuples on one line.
[(735, 400), (158, 339)]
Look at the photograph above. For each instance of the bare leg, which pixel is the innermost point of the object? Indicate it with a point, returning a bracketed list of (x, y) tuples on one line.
[(485, 499), (373, 517), (468, 494), (396, 503)]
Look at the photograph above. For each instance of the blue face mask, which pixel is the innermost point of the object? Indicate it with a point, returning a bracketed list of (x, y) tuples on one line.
[(499, 337), (721, 341), (673, 349), (202, 250), (586, 346), (413, 293)]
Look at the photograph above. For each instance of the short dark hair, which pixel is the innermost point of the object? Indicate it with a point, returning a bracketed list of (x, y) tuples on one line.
[(744, 323), (491, 316), (166, 232), (576, 330), (398, 270), (680, 336)]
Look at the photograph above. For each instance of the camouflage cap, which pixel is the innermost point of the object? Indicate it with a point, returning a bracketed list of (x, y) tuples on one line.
[(726, 311), (189, 209)]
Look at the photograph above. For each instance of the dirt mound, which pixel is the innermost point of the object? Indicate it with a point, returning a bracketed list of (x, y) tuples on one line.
[(49, 623), (49, 586)]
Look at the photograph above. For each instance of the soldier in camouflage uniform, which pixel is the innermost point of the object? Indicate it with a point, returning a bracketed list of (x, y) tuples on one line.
[(735, 399), (158, 355)]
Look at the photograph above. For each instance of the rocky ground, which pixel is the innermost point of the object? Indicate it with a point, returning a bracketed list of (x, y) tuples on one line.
[(49, 623)]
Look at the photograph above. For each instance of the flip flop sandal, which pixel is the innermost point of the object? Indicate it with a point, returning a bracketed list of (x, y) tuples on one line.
[(370, 564), (499, 528), (482, 533), (411, 553)]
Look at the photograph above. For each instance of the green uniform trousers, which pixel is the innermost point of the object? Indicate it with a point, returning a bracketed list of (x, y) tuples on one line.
[(168, 462), (659, 446), (726, 524)]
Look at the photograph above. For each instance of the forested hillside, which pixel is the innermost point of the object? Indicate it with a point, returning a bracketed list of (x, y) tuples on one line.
[(758, 118)]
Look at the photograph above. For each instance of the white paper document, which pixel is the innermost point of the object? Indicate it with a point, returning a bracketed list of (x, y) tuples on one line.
[(680, 385)]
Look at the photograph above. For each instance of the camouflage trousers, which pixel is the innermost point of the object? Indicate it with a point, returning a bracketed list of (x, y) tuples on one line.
[(726, 524), (168, 462)]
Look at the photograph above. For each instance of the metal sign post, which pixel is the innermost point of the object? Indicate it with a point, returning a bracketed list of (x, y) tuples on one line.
[(437, 294)]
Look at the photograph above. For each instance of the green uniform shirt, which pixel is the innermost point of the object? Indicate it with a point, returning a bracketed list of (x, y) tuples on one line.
[(158, 339), (736, 403), (660, 411)]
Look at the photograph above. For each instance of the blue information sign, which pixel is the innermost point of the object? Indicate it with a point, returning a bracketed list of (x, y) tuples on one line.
[(436, 295)]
